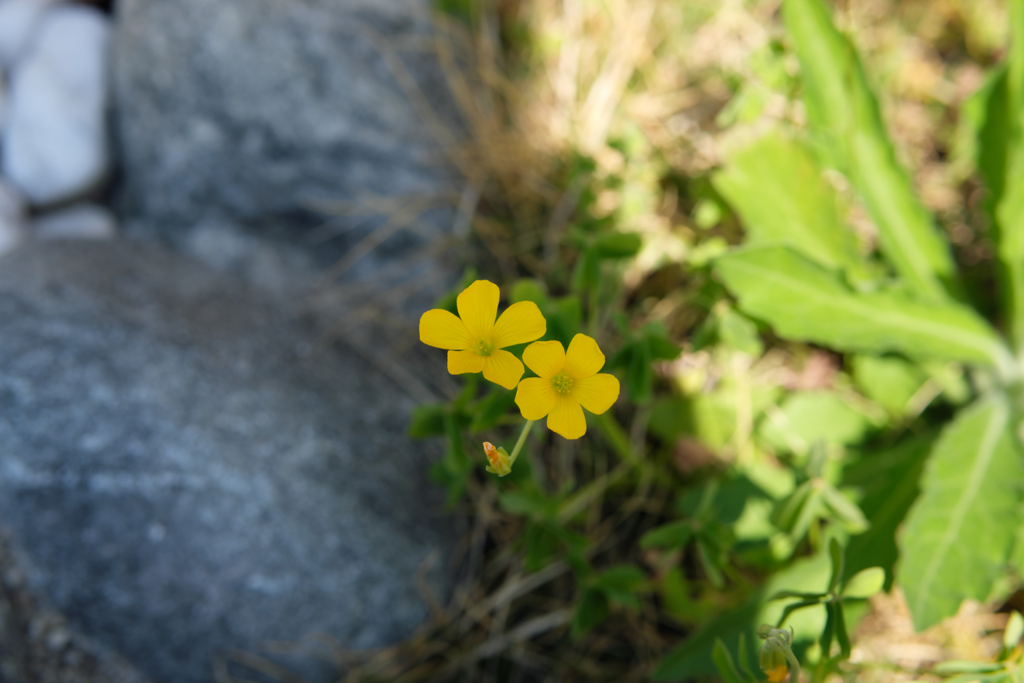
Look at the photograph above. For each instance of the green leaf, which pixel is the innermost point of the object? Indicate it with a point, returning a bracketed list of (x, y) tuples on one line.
[(662, 348), (541, 544), (427, 420), (804, 302), (640, 375), (962, 666), (864, 583), (723, 660), (1010, 248), (743, 655), (843, 509), (960, 532), (618, 245), (841, 636), (591, 611), (1014, 630), (672, 535), (587, 273), (791, 508), (692, 658), (807, 417), (739, 333), (709, 560), (888, 483), (530, 501), (529, 290), (489, 411), (778, 189), (621, 584), (887, 380), (793, 607), (835, 552), (844, 113)]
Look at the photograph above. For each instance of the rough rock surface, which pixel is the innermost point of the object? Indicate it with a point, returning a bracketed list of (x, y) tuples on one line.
[(179, 484), (12, 218), (250, 113)]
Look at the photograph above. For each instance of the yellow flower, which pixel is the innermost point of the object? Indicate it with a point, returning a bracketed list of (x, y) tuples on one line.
[(475, 341), (567, 380), (778, 674)]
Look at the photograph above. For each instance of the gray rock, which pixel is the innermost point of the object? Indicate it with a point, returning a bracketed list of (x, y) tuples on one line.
[(77, 222), (180, 484), (12, 218), (253, 113)]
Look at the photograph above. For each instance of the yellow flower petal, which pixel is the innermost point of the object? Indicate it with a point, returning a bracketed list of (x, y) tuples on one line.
[(597, 394), (535, 398), (461, 362), (520, 323), (478, 307), (444, 330), (583, 358), (545, 358), (501, 367), (567, 418)]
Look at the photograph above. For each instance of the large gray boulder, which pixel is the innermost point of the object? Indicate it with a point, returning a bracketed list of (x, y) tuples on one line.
[(179, 483), (243, 116)]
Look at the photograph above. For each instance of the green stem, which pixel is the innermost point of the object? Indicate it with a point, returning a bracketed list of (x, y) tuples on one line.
[(519, 444)]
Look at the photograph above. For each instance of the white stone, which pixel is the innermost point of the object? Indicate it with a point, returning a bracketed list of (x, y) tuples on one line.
[(19, 21), (54, 144), (82, 221), (12, 218)]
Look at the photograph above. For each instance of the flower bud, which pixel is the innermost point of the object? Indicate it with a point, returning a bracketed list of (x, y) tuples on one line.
[(776, 655), (498, 457)]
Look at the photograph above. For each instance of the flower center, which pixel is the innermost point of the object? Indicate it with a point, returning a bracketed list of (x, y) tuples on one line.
[(483, 347), (562, 383)]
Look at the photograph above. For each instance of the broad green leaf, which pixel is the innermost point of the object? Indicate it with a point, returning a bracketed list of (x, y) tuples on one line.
[(1010, 209), (889, 380), (959, 534), (887, 481), (844, 113), (807, 417), (805, 302), (987, 114), (865, 583), (777, 188)]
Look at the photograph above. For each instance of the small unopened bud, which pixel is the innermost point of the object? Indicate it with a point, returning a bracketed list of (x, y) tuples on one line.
[(501, 464), (775, 655)]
